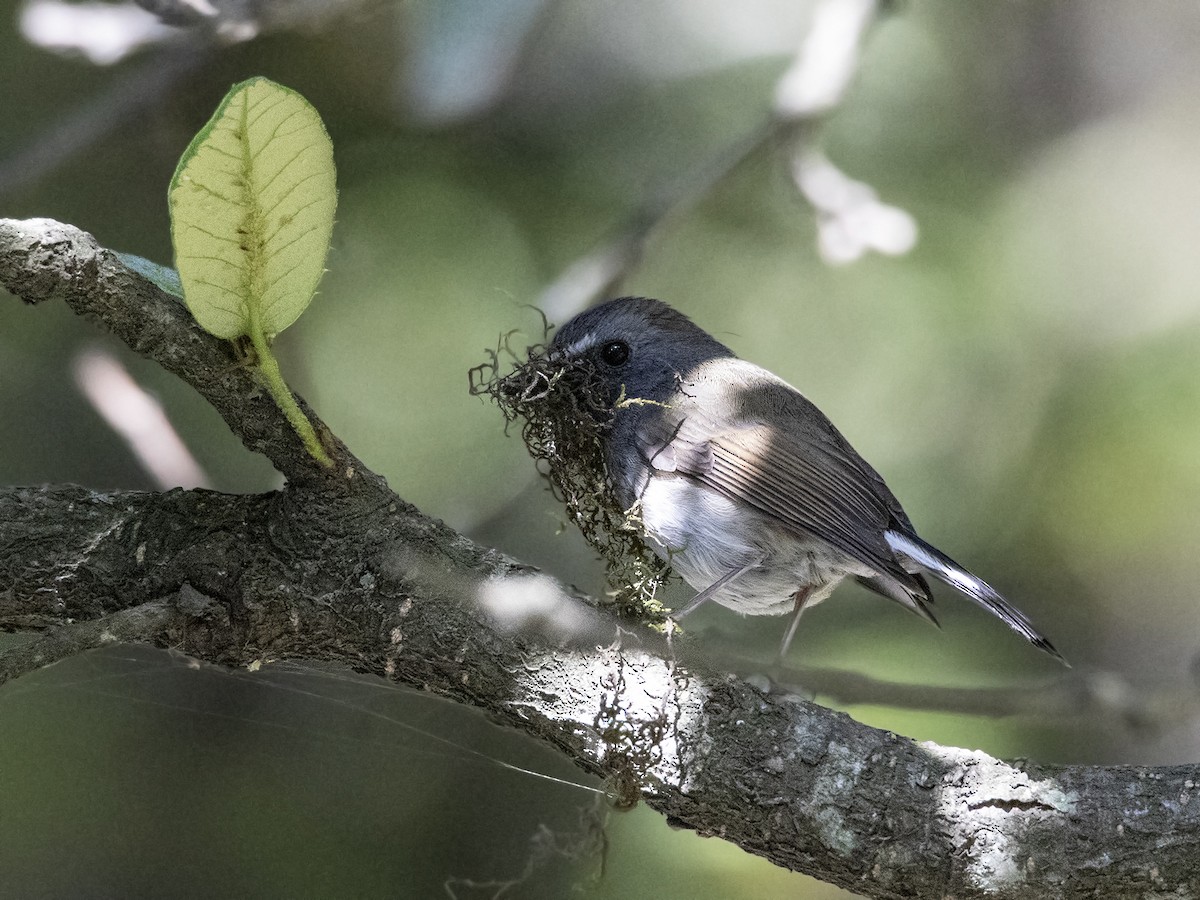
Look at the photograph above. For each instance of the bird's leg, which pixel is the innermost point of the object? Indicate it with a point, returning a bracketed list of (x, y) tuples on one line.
[(712, 589), (801, 597)]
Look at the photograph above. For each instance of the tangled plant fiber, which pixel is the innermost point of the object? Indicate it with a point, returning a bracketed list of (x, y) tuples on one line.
[(565, 419)]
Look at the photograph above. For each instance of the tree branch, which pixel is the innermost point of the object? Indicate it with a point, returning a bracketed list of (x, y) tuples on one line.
[(336, 568), (43, 260)]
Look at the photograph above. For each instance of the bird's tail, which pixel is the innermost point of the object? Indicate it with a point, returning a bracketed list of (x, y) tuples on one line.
[(942, 567)]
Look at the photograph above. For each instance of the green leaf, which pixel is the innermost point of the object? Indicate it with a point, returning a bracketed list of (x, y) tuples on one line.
[(252, 205)]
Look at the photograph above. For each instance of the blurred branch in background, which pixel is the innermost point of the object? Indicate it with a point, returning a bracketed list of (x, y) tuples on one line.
[(462, 57), (184, 35), (138, 418), (850, 219), (1096, 697), (243, 20), (104, 33), (78, 129)]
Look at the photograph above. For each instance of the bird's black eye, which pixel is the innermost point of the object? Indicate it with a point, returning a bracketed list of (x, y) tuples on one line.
[(615, 353)]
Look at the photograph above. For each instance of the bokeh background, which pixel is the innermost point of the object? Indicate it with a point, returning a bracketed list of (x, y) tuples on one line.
[(1027, 378)]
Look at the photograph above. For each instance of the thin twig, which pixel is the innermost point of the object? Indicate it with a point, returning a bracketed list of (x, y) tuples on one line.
[(808, 92)]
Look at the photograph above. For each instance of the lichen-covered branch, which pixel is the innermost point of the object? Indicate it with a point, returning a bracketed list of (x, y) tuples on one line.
[(357, 577)]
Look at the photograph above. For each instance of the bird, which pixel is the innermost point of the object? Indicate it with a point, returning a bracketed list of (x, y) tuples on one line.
[(740, 483)]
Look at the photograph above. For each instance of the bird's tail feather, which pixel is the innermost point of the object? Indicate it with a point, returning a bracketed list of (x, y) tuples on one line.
[(942, 567)]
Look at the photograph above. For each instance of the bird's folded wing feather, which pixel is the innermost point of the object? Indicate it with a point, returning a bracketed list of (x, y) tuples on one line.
[(807, 477)]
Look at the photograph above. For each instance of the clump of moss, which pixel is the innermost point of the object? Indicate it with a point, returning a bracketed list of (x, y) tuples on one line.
[(564, 420)]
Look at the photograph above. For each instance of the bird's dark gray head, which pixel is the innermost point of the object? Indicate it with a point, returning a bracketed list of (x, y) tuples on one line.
[(639, 344)]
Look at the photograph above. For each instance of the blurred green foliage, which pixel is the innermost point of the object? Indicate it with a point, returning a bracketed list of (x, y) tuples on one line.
[(1026, 380)]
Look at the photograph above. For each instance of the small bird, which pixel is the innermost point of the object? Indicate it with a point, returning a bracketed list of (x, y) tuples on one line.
[(741, 484)]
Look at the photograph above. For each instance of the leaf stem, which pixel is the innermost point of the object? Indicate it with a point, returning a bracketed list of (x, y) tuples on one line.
[(269, 367)]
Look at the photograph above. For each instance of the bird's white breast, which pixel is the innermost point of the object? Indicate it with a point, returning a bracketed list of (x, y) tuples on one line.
[(704, 535)]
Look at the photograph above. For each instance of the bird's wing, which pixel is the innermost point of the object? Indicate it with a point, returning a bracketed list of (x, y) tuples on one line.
[(751, 437), (800, 471)]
